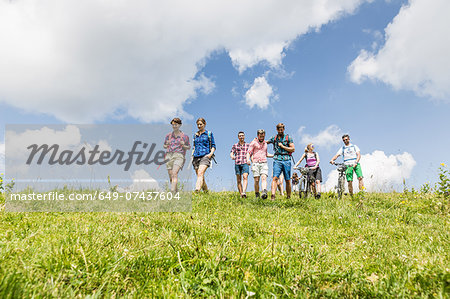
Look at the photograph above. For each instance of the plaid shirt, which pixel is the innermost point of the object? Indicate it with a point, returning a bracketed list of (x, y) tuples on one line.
[(201, 144), (174, 142), (280, 153), (240, 151)]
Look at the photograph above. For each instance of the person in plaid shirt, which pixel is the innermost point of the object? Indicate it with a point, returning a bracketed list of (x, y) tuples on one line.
[(176, 143), (239, 155), (283, 146)]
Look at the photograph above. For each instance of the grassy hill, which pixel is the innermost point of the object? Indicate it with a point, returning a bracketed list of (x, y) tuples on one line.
[(393, 244)]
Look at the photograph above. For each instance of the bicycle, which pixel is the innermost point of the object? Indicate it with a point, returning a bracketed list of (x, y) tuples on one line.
[(340, 188), (305, 183)]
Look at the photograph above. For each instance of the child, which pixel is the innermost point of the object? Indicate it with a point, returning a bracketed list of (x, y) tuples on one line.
[(295, 181)]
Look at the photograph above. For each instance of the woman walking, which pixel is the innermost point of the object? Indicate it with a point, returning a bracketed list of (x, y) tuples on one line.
[(312, 162), (176, 144), (203, 152)]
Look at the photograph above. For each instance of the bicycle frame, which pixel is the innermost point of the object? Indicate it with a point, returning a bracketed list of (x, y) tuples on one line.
[(340, 188), (305, 183)]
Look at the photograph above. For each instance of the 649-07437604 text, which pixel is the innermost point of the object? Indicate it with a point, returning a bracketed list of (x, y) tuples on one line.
[(97, 195)]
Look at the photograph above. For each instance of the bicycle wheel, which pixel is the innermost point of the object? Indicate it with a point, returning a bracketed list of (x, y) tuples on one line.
[(341, 186), (302, 188)]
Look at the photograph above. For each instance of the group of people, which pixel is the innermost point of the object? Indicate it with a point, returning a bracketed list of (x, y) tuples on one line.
[(254, 155)]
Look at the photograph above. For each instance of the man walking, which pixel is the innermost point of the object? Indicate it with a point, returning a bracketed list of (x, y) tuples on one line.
[(351, 154), (239, 155), (257, 154), (283, 146)]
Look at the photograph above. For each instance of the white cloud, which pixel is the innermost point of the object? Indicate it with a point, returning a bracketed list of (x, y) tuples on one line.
[(415, 54), (86, 60), (381, 172), (18, 142), (331, 136), (142, 181), (260, 94)]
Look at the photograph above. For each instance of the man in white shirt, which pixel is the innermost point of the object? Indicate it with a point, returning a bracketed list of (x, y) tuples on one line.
[(351, 154)]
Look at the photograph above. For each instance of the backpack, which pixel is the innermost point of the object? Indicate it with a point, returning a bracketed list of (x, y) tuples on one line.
[(286, 138)]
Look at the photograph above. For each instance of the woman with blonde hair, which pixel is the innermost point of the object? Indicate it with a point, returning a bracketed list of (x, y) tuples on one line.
[(312, 162)]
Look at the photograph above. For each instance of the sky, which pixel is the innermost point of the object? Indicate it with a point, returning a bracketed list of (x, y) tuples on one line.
[(377, 70)]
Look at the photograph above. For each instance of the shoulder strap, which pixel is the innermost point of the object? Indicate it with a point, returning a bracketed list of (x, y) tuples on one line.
[(210, 141)]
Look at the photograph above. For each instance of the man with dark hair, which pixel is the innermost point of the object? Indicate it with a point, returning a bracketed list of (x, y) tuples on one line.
[(351, 155), (239, 155), (283, 146)]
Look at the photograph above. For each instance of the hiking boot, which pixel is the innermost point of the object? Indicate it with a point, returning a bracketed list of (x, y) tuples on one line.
[(257, 194), (264, 194)]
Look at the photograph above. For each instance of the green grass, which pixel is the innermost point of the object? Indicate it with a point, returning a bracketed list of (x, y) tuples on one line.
[(390, 245)]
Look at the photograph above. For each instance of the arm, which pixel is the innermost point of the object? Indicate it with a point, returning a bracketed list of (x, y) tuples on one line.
[(290, 148), (232, 154), (301, 159), (334, 158), (317, 162), (213, 146), (185, 143), (166, 143), (358, 157)]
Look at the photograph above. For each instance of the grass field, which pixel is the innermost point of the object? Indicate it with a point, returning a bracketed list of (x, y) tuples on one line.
[(393, 244)]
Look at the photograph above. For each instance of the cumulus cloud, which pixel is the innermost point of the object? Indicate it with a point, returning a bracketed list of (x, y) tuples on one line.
[(86, 60), (260, 94), (415, 54), (142, 181), (381, 172), (67, 137), (327, 138)]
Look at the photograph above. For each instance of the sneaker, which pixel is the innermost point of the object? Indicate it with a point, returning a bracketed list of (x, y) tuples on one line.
[(318, 195), (257, 194), (272, 197), (244, 195), (264, 194)]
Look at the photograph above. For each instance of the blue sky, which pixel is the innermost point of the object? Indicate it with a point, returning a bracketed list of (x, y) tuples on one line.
[(390, 101)]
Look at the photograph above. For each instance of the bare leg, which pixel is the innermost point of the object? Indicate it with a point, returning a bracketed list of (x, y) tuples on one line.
[(169, 171), (256, 179), (288, 189), (264, 182), (174, 178), (245, 182), (361, 184), (280, 186), (318, 186), (350, 187), (201, 184), (239, 183), (274, 185)]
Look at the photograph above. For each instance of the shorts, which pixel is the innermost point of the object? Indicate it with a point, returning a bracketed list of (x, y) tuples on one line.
[(282, 167), (260, 168), (349, 172), (203, 160), (175, 159), (241, 169), (316, 174)]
